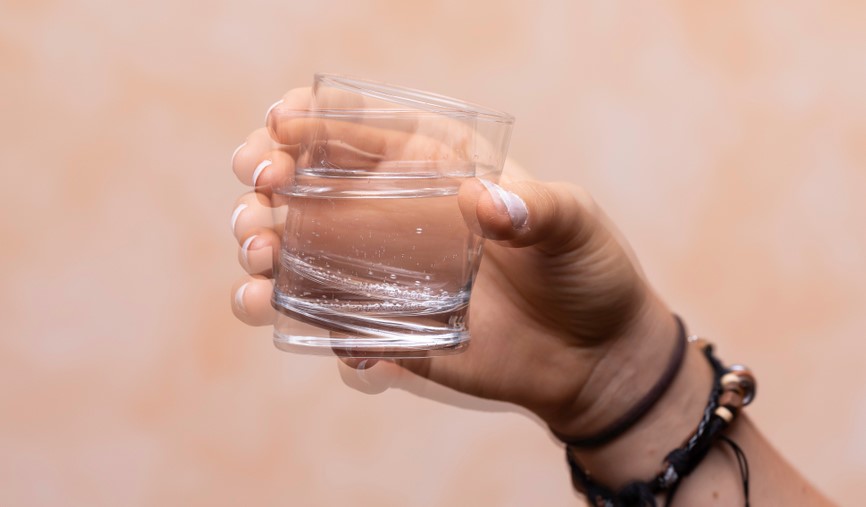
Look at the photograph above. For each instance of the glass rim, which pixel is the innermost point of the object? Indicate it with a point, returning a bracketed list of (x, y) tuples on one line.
[(359, 112), (425, 103)]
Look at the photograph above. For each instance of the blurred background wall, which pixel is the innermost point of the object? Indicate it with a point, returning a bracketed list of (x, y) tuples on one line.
[(727, 139)]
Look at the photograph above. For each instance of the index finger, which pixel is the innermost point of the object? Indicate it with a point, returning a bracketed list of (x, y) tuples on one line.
[(349, 131)]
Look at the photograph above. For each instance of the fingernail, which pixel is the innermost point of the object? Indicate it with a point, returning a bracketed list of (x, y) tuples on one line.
[(237, 213), (235, 153), (275, 104), (239, 298), (245, 249), (507, 201), (259, 168)]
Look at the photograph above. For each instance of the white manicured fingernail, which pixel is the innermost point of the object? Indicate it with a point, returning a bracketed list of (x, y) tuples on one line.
[(239, 298), (509, 202), (245, 249), (259, 168), (235, 153), (275, 104), (237, 213)]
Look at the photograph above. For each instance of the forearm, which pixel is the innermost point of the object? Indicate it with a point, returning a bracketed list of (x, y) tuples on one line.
[(638, 454), (772, 480)]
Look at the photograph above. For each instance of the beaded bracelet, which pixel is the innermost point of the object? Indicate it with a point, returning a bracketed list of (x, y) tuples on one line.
[(733, 388)]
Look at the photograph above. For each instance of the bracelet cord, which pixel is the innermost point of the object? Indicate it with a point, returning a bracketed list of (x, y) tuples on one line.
[(680, 462), (643, 406)]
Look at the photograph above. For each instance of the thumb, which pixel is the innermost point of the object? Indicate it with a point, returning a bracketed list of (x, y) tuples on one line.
[(554, 217)]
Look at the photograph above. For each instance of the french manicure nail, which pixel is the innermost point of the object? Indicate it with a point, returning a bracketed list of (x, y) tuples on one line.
[(239, 298), (259, 168), (237, 213), (235, 153), (245, 249), (275, 104), (509, 202)]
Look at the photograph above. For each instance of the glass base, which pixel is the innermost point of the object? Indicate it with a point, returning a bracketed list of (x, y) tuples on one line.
[(366, 347)]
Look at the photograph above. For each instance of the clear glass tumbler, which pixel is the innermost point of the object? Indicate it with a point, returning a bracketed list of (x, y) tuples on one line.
[(376, 259)]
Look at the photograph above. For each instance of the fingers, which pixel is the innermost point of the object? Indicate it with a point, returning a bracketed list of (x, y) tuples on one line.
[(262, 163), (360, 375), (296, 98), (344, 138), (410, 375), (254, 211), (291, 124), (287, 108), (333, 134), (258, 253), (553, 217), (291, 127), (287, 120), (376, 375), (248, 155), (251, 300)]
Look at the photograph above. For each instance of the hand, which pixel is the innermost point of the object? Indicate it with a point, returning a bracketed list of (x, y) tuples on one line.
[(559, 314)]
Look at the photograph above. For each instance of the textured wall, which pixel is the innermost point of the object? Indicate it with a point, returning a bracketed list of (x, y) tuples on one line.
[(728, 139)]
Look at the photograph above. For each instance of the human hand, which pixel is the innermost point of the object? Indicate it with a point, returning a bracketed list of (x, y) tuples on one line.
[(560, 315)]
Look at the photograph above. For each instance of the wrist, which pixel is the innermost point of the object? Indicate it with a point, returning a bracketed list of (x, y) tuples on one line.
[(629, 368), (638, 453), (626, 368)]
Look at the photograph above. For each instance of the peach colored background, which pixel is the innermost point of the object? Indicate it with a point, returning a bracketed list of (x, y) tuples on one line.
[(728, 140)]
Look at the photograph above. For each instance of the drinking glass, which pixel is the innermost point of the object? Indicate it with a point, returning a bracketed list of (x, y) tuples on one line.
[(376, 259)]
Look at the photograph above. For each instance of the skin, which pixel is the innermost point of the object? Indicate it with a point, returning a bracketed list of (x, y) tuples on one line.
[(563, 322)]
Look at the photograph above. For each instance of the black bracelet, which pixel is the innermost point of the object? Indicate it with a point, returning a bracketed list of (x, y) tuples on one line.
[(643, 406), (733, 388)]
